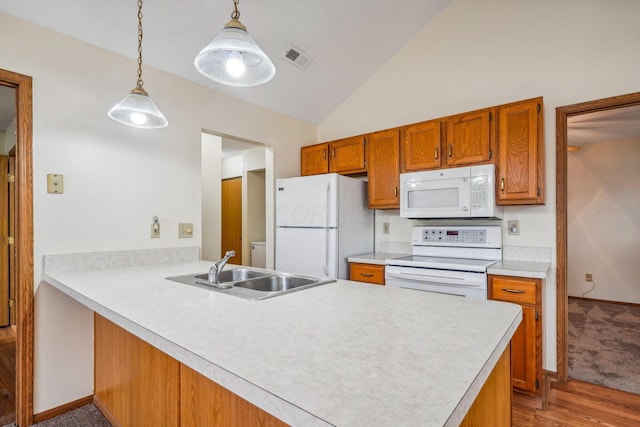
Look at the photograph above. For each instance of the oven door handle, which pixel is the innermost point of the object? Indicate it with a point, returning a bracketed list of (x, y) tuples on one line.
[(434, 278)]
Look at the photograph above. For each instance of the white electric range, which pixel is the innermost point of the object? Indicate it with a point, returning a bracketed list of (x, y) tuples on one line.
[(448, 259)]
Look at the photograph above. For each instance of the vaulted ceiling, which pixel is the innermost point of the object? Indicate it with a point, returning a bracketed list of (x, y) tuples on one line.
[(347, 40)]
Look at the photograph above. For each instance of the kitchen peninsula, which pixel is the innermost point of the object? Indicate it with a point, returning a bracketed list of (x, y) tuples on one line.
[(342, 354)]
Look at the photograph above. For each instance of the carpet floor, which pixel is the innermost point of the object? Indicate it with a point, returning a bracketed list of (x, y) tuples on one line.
[(85, 416), (604, 344)]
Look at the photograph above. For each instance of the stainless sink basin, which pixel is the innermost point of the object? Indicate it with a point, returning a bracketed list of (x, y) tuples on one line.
[(252, 284), (276, 283), (234, 275)]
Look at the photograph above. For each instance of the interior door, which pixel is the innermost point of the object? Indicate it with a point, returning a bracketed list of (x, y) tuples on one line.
[(4, 247), (231, 213)]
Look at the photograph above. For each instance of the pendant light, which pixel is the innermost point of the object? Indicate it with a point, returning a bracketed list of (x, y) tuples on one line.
[(137, 109), (233, 58)]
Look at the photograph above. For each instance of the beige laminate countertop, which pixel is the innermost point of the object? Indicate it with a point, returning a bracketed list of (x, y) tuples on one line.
[(341, 354), (377, 258)]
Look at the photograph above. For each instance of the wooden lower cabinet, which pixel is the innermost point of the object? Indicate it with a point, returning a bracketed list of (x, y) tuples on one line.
[(526, 344), (368, 273), (138, 385), (492, 406)]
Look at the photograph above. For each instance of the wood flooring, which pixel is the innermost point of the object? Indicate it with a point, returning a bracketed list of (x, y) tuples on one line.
[(7, 375), (576, 403)]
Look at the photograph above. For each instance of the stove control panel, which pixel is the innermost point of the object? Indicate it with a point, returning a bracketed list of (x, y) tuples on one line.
[(467, 236)]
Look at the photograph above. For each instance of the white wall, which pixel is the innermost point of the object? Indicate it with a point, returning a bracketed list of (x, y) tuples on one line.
[(604, 220), (232, 167), (8, 138), (116, 178), (481, 53), (211, 149)]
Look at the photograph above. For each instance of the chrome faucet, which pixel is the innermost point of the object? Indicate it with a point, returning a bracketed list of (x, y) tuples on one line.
[(216, 269)]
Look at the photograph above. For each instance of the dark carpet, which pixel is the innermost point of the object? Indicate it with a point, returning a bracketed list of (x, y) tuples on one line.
[(86, 416), (604, 344)]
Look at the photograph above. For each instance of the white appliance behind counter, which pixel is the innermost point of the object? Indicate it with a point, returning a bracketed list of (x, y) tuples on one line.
[(448, 259), (463, 192), (320, 221)]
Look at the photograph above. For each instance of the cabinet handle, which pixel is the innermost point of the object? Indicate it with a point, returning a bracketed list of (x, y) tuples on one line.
[(333, 154), (366, 274), (395, 192), (450, 151), (436, 153), (513, 291), (502, 184), (325, 154)]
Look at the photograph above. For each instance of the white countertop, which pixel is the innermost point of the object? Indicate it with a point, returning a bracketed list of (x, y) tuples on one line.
[(342, 354), (375, 258), (532, 269)]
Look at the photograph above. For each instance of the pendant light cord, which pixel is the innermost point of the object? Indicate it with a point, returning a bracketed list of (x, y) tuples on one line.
[(139, 84), (236, 13)]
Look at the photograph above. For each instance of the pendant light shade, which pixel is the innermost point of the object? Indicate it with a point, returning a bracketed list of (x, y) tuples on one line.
[(233, 58), (137, 109)]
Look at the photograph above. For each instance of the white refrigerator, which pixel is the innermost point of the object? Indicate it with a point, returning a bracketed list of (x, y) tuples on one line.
[(320, 221)]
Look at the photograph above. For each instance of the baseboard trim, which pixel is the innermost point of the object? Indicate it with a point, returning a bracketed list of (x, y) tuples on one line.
[(105, 411), (59, 410), (632, 304)]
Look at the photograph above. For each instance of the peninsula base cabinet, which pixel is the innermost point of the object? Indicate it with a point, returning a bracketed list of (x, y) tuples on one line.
[(526, 343), (138, 385)]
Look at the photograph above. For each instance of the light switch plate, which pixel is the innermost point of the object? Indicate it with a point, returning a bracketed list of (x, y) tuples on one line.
[(185, 230), (55, 183)]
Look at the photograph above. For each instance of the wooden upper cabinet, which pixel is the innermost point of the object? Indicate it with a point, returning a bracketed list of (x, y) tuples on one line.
[(421, 146), (383, 153), (469, 138), (520, 166), (347, 155), (314, 159)]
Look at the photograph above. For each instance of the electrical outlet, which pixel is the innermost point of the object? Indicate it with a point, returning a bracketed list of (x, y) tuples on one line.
[(185, 230), (385, 228), (588, 277), (155, 228), (514, 227)]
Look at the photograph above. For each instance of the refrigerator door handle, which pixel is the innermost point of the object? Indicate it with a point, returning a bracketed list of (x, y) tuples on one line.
[(326, 204), (325, 265)]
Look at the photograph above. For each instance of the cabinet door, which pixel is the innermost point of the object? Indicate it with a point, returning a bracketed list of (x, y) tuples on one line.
[(469, 138), (368, 273), (314, 159), (421, 146), (383, 152), (520, 171), (523, 352), (347, 155)]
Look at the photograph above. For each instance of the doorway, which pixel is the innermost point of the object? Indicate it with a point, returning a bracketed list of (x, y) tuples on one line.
[(22, 246), (562, 116)]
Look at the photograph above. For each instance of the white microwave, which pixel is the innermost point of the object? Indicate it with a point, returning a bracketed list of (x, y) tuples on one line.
[(464, 192)]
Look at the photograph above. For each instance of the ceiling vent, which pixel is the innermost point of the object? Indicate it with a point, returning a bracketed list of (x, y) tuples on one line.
[(297, 57)]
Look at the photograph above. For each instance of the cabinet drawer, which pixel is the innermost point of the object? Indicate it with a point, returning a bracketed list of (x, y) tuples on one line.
[(522, 291), (370, 273)]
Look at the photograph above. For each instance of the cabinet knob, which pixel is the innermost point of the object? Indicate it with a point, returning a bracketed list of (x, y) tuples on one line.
[(502, 184), (450, 151), (395, 192), (366, 274), (436, 153), (333, 153), (324, 154)]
